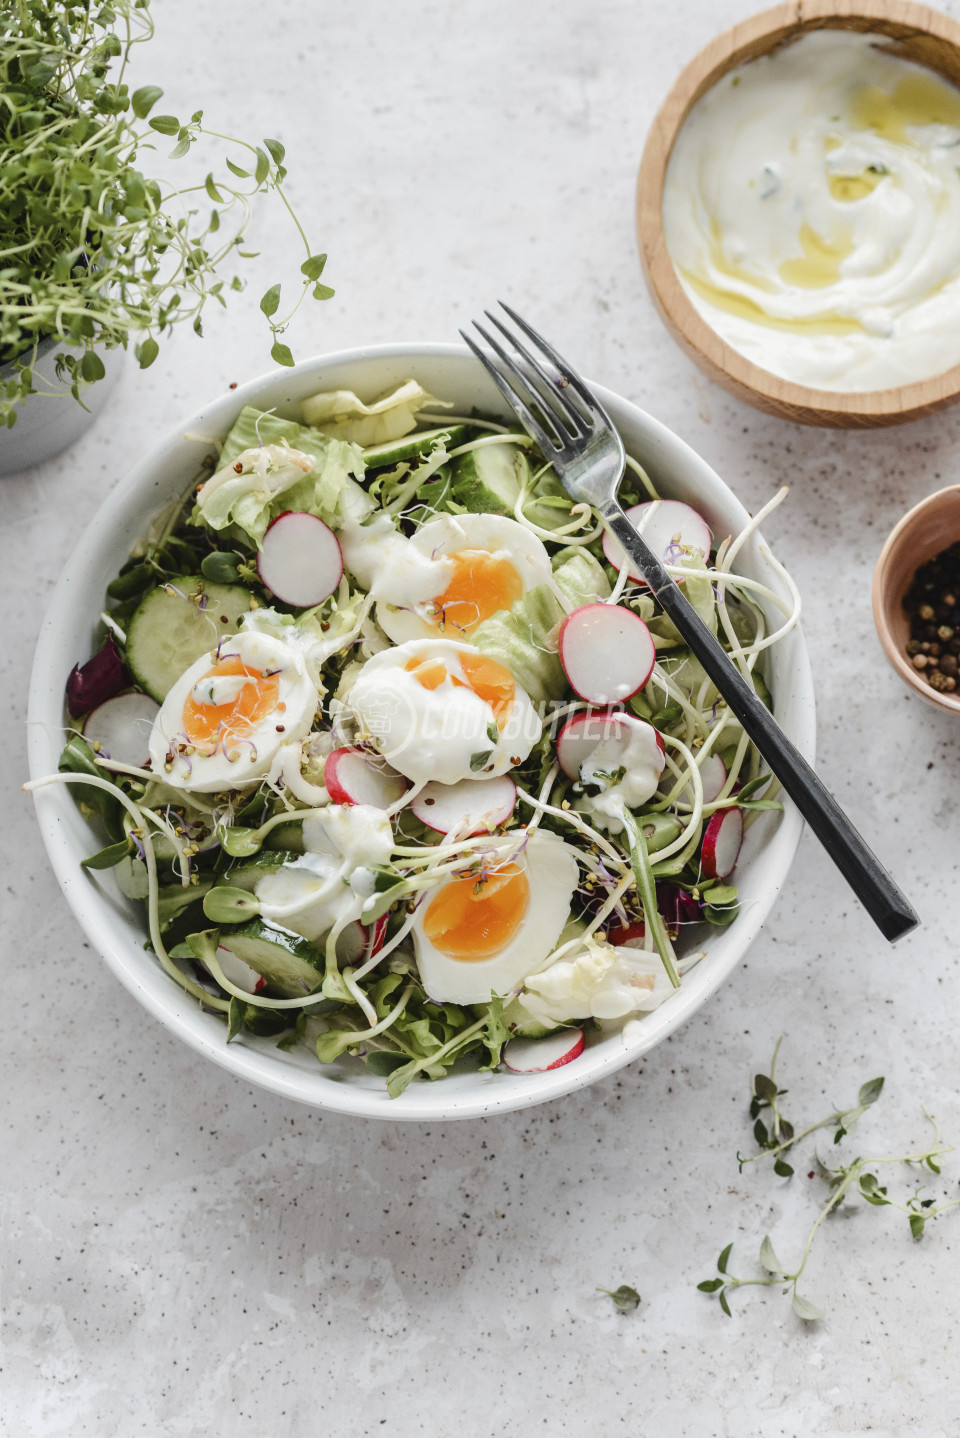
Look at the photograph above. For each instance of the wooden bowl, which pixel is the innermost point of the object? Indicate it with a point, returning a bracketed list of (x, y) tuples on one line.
[(924, 531), (919, 34)]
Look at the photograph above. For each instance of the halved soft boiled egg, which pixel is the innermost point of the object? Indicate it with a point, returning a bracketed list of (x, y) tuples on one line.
[(440, 710), (455, 572), (482, 934), (224, 719)]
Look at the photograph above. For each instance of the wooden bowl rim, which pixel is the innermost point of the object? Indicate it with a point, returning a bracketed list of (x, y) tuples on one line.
[(895, 19), (884, 599)]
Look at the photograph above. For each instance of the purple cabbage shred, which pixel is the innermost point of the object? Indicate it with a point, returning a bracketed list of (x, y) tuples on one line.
[(99, 679)]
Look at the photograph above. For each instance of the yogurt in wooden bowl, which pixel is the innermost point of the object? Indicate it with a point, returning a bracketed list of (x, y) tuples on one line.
[(798, 212)]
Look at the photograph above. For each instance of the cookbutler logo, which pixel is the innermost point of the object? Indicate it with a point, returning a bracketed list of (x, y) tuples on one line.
[(397, 725), (378, 716)]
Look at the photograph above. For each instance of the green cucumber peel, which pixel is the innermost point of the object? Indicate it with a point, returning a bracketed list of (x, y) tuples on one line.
[(172, 899)]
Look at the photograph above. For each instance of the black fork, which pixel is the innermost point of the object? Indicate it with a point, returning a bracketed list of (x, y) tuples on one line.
[(575, 433)]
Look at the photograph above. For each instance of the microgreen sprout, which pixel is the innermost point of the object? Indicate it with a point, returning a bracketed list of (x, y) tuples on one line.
[(775, 1136)]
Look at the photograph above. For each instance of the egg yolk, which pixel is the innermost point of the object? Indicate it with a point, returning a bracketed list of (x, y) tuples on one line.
[(213, 723), (489, 680), (481, 584), (473, 919)]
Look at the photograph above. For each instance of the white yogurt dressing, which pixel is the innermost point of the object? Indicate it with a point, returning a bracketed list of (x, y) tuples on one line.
[(626, 773), (812, 211), (333, 879)]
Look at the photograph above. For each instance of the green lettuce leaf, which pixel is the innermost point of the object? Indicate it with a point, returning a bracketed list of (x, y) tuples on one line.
[(339, 413), (580, 577), (523, 639), (248, 501)]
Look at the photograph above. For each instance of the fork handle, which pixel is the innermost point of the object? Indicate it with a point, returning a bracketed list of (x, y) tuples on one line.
[(871, 883)]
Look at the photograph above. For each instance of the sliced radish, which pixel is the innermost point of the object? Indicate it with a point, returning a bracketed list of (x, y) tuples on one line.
[(536, 1056), (713, 776), (607, 652), (471, 806), (352, 943), (240, 974), (580, 736), (672, 529), (721, 843), (121, 727), (614, 740), (630, 937), (376, 935), (352, 777), (300, 560)]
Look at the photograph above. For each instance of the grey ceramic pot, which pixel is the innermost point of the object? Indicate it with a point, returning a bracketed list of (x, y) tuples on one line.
[(48, 423)]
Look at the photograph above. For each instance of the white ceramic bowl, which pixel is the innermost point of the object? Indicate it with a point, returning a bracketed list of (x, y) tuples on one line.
[(116, 927)]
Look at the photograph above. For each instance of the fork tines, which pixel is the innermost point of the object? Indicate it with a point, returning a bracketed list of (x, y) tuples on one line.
[(540, 400)]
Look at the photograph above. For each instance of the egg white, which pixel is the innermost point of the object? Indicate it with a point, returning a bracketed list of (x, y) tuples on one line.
[(553, 875), (207, 774), (437, 733)]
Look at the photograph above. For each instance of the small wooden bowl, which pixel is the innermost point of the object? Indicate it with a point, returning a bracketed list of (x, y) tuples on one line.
[(924, 531), (919, 34)]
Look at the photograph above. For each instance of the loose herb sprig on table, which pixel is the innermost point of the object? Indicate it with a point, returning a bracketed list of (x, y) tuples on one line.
[(92, 250), (778, 1135), (624, 1299)]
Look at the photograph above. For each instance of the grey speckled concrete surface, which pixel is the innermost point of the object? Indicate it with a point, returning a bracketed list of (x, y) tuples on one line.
[(187, 1256)]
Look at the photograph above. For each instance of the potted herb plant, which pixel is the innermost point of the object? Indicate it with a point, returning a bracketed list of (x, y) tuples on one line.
[(96, 257)]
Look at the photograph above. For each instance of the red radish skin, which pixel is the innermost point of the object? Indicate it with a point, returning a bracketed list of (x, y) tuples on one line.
[(120, 728), (471, 806), (607, 652), (671, 528), (630, 937), (239, 973), (580, 736), (721, 843), (299, 559), (538, 1056), (376, 935), (352, 777)]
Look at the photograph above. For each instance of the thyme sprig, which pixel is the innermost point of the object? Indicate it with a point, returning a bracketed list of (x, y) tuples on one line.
[(92, 250), (776, 1139), (855, 1178)]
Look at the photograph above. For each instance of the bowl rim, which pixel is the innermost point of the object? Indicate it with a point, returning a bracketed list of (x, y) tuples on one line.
[(143, 976), (898, 20), (884, 599)]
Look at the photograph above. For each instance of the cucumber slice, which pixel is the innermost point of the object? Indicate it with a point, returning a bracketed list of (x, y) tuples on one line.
[(488, 480), (247, 873), (288, 962), (411, 446), (169, 631)]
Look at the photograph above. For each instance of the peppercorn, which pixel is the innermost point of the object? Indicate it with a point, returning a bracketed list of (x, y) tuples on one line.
[(933, 646)]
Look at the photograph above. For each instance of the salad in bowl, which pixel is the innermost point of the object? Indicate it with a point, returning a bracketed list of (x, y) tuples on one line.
[(393, 759)]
